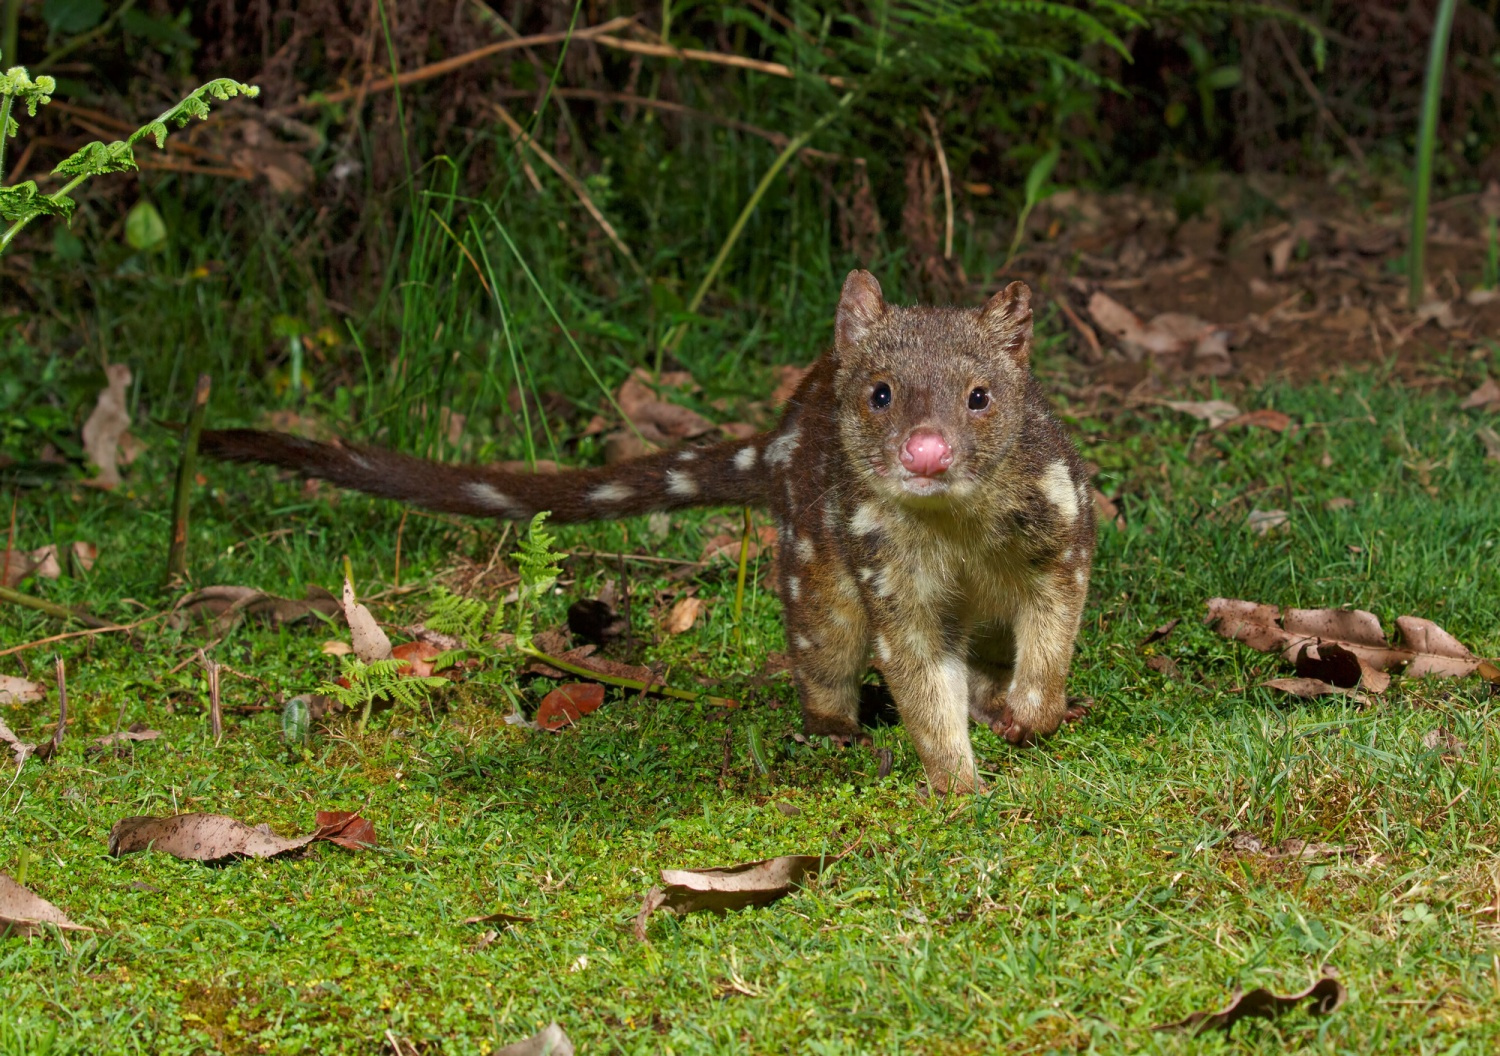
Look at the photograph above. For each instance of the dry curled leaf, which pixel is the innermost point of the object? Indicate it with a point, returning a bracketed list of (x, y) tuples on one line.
[(369, 641), (1424, 649), (1307, 688), (216, 838), (566, 704), (20, 691), (655, 419), (1164, 665), (1264, 522), (683, 615), (418, 657), (224, 606), (549, 1041), (737, 887), (1491, 441), (1443, 741), (1265, 418), (1106, 509), (1160, 633), (16, 565), (1322, 998), (24, 913), (106, 425)]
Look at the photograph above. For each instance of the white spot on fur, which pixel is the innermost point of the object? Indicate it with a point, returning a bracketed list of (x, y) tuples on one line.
[(1057, 486), (360, 462), (1080, 577), (830, 517), (1067, 555), (794, 587), (885, 584), (611, 493), (488, 496), (805, 549), (882, 649), (804, 642), (680, 484), (865, 574), (865, 520), (686, 456), (779, 451), (744, 459)]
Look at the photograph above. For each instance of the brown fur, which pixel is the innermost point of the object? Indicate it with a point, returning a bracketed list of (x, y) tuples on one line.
[(968, 584)]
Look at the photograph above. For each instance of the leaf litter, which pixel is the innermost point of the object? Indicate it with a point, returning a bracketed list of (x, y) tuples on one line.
[(736, 887), (225, 606), (1341, 648), (217, 838), (566, 704), (24, 913), (20, 690), (549, 1041), (106, 427)]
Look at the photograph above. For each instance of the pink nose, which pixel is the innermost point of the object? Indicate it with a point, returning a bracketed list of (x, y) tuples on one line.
[(926, 453)]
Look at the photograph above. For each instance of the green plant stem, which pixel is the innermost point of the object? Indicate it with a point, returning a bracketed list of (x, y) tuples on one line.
[(10, 24), (615, 680), (182, 494), (674, 336), (1432, 97), (62, 612), (56, 196), (5, 104)]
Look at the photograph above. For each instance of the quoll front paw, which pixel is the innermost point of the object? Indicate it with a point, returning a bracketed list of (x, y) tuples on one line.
[(1020, 732)]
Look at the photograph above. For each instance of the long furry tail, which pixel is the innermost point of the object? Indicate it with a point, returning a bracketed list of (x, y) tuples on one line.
[(726, 474)]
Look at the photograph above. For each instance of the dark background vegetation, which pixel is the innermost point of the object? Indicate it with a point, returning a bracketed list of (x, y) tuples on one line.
[(422, 260)]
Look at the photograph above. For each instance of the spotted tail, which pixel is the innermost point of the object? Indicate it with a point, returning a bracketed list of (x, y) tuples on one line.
[(727, 474)]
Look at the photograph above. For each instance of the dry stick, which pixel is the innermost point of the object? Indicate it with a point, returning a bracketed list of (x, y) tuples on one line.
[(187, 461), (107, 629), (62, 612), (617, 680), (666, 51), (942, 156), (574, 184), (215, 708), (1312, 90), (446, 66), (739, 583), (399, 529)]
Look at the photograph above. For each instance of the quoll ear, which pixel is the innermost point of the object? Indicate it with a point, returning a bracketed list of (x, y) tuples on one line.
[(1007, 318), (861, 306)]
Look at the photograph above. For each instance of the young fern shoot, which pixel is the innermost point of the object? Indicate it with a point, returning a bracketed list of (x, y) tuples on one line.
[(24, 202)]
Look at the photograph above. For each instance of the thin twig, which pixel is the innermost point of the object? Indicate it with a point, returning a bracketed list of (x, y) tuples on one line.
[(187, 461), (107, 629), (574, 184), (446, 66), (739, 583), (942, 157), (666, 51), (215, 707), (400, 528)]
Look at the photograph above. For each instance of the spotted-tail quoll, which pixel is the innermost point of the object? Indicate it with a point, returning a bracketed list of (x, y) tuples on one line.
[(930, 512)]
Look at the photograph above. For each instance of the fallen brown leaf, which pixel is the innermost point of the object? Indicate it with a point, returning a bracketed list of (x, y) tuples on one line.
[(499, 918), (335, 647), (737, 887), (1108, 510), (1425, 649), (369, 641), (419, 656), (1491, 441), (216, 838), (1159, 633), (105, 426), (1307, 688), (1322, 998), (1443, 741), (226, 605), (137, 732), (1163, 665), (20, 691), (683, 615), (1485, 398), (787, 380), (43, 562), (19, 748), (727, 545), (1338, 502), (1214, 412), (566, 704), (1265, 418), (1264, 522), (24, 913), (657, 420), (549, 1041)]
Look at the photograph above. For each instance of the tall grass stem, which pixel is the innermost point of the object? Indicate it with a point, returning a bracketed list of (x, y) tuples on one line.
[(1432, 97)]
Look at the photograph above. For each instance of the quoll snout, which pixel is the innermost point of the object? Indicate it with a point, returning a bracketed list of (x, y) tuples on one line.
[(926, 453)]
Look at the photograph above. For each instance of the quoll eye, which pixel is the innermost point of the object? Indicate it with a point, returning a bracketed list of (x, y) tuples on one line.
[(880, 396), (979, 399)]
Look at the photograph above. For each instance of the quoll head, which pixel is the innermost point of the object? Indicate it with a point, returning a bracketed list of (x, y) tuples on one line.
[(930, 399)]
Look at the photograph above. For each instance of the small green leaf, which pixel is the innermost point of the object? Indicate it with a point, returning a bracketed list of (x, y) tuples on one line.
[(66, 246), (144, 227), (72, 16)]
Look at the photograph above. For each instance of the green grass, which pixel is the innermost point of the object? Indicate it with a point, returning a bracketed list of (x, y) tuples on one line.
[(1090, 894)]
